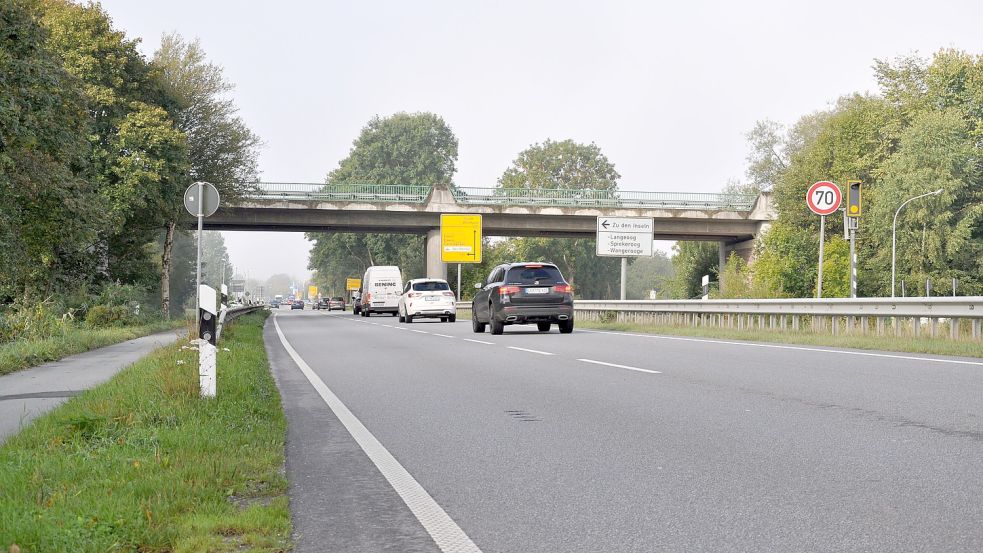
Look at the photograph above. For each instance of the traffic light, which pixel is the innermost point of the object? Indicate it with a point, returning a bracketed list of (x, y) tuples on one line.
[(854, 205)]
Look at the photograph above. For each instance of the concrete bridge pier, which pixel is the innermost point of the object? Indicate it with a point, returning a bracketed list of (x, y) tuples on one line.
[(722, 262), (435, 267)]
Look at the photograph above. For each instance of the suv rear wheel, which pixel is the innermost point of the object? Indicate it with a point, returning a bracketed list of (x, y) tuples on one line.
[(566, 327), (476, 327), (543, 327), (497, 327)]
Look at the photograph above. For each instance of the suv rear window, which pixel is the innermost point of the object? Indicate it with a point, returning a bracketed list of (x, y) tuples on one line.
[(337, 298), (533, 275), (430, 286)]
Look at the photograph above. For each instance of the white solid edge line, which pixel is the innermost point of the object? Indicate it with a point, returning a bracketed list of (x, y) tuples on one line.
[(478, 341), (798, 348), (420, 331), (445, 532), (620, 366), (531, 350)]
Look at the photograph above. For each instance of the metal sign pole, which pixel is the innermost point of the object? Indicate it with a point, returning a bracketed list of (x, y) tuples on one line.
[(201, 216), (624, 278), (853, 263), (822, 238), (458, 282)]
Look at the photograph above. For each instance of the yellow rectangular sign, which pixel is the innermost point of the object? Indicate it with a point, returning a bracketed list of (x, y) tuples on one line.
[(460, 238), (311, 292), (353, 284)]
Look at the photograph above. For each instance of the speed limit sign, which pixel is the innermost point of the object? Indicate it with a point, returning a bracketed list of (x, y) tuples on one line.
[(823, 198)]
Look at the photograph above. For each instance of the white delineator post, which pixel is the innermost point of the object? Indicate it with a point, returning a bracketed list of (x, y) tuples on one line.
[(207, 351), (207, 368)]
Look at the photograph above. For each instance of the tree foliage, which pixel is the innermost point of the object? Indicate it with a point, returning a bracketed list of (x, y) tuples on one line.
[(418, 149), (93, 162), (222, 149), (49, 211), (691, 261), (566, 165), (921, 133)]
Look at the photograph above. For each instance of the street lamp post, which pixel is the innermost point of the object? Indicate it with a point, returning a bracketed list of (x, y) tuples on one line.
[(894, 226)]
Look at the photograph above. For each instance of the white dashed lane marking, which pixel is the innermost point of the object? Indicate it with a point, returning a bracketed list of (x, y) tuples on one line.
[(531, 350), (619, 366), (479, 341)]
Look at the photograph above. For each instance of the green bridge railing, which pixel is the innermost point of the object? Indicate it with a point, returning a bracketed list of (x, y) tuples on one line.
[(418, 194), (602, 198), (389, 193)]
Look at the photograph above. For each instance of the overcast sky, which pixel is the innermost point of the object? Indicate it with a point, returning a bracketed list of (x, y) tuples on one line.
[(666, 90)]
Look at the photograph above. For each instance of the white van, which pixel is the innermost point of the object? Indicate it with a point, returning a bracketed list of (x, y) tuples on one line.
[(381, 286)]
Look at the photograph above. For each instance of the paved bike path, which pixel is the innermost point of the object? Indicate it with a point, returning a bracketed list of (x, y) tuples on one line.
[(27, 394)]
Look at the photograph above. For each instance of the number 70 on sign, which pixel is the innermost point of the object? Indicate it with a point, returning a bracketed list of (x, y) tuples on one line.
[(823, 198)]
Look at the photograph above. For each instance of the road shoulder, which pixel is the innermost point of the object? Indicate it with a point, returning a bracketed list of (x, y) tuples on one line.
[(339, 500)]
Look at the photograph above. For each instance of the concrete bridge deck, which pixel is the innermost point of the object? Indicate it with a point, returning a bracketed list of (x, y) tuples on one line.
[(707, 217), (733, 220)]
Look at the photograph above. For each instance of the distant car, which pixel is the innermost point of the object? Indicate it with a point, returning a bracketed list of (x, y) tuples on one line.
[(523, 293), (427, 297), (275, 304), (336, 302), (357, 305), (296, 304)]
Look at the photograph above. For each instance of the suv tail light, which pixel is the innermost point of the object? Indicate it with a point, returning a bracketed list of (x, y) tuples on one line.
[(563, 289), (368, 297), (413, 294), (451, 294), (507, 290)]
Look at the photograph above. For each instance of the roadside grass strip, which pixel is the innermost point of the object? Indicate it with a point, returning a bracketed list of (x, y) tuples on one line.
[(22, 354), (907, 344), (142, 463)]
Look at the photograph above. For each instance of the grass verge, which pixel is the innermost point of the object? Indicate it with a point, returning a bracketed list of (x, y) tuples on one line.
[(936, 346), (142, 463), (23, 354)]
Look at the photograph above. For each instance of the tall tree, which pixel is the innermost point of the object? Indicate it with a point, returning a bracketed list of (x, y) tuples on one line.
[(575, 168), (49, 211), (222, 150), (404, 148), (137, 157)]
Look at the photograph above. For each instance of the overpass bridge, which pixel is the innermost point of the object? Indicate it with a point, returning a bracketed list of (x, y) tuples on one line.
[(733, 220)]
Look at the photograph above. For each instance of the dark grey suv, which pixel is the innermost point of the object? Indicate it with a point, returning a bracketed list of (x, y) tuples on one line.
[(523, 293)]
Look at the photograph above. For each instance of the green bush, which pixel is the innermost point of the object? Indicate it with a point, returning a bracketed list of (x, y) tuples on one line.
[(35, 321), (101, 316)]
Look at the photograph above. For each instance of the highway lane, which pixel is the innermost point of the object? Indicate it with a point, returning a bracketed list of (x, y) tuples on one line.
[(530, 442)]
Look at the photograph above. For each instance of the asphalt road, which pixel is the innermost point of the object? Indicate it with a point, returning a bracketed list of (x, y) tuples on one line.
[(603, 442)]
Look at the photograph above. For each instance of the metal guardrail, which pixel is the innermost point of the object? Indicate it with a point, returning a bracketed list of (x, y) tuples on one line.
[(227, 315), (386, 193), (418, 194), (602, 198), (956, 317)]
